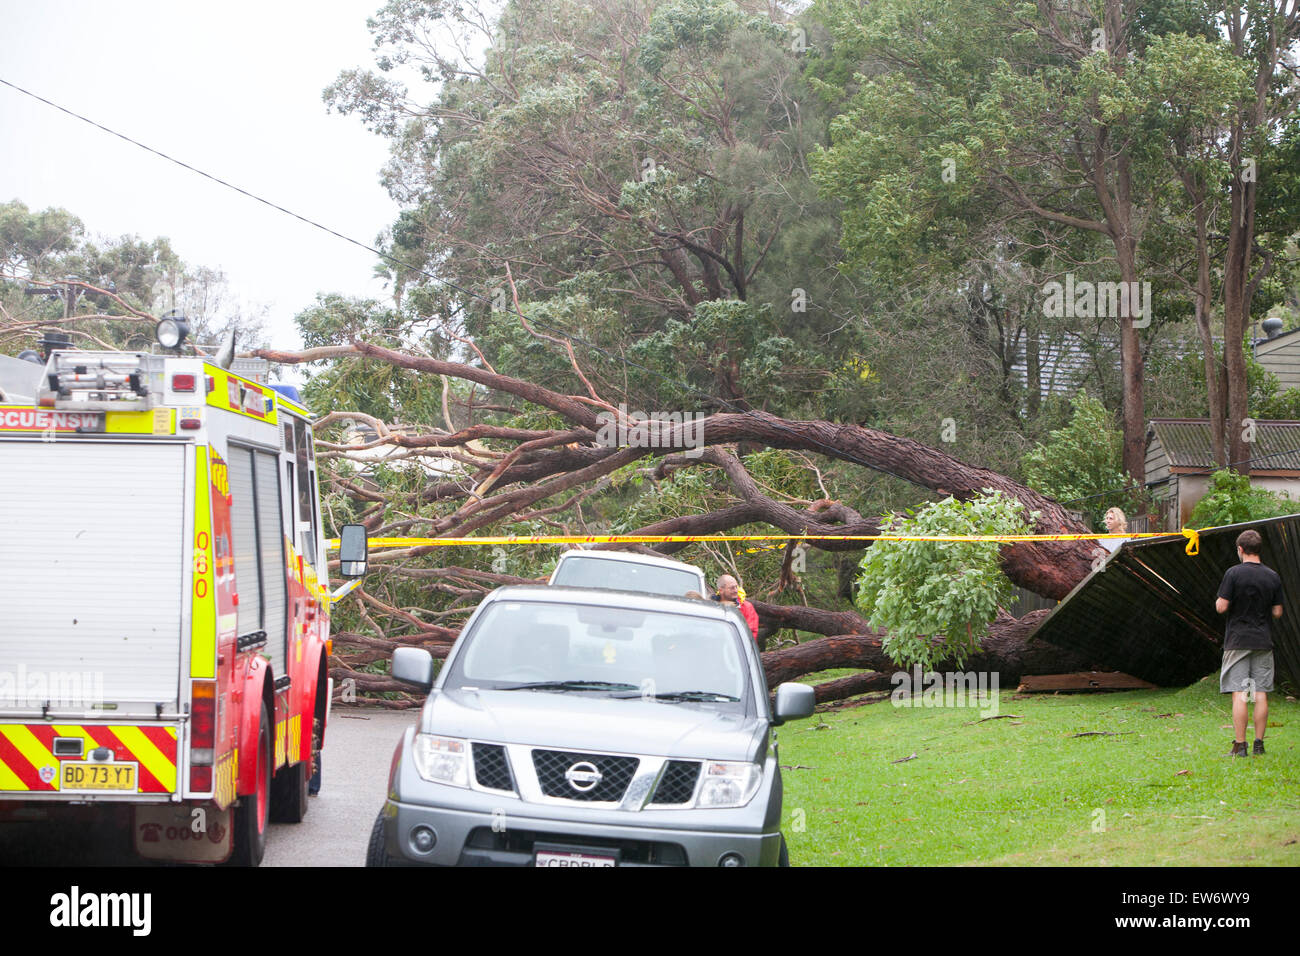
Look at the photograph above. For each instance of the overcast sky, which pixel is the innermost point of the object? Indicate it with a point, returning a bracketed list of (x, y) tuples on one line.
[(232, 88)]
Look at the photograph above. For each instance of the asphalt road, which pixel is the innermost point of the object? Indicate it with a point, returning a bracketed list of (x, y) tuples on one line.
[(359, 746), (358, 750)]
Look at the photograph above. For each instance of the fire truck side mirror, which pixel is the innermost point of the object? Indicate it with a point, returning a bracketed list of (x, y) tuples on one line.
[(353, 546)]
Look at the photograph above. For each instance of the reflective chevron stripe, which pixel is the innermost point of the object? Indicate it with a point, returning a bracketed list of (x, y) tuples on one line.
[(28, 762), (223, 779)]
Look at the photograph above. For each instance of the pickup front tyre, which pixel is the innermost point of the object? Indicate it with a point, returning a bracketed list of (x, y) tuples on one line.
[(377, 850)]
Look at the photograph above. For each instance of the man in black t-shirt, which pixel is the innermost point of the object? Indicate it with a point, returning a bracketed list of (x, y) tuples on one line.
[(1251, 596)]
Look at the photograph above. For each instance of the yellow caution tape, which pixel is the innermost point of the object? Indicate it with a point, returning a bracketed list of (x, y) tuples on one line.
[(333, 543)]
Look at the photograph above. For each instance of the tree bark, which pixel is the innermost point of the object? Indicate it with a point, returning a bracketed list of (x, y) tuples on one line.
[(1005, 650)]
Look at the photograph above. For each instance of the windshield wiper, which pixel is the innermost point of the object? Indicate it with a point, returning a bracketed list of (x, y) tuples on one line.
[(568, 685), (707, 695)]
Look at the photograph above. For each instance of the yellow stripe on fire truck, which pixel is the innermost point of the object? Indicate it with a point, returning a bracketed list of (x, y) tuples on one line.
[(239, 395), (223, 779), (28, 762), (203, 614)]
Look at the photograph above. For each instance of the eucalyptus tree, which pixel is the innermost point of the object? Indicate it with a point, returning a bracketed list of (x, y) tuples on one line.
[(1057, 114), (628, 164)]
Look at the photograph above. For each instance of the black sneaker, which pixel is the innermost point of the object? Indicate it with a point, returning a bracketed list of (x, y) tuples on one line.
[(1259, 747), (1238, 749)]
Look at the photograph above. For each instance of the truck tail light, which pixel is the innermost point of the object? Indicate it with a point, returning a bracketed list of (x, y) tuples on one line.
[(183, 383), (203, 733)]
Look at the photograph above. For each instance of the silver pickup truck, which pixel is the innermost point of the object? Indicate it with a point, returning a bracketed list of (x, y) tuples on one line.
[(582, 727)]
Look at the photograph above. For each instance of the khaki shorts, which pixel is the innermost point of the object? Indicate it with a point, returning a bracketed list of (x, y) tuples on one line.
[(1245, 671)]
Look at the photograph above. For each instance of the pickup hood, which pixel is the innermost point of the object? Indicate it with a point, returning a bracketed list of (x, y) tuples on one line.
[(572, 721)]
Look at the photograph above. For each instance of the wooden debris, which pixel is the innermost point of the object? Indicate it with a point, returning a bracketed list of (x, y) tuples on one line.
[(1104, 733), (904, 759), (1081, 681)]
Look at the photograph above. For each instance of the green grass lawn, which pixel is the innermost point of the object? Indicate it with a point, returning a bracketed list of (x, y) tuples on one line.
[(1021, 790)]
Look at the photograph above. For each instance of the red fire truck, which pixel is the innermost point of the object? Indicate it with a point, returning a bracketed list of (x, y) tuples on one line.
[(164, 602)]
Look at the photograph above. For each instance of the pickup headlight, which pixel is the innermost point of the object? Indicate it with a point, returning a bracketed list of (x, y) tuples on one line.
[(729, 784), (441, 759)]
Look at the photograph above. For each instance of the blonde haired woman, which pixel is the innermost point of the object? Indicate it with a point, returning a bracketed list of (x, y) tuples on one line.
[(1116, 523)]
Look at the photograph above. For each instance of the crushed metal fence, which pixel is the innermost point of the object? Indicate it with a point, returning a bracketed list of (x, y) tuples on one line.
[(1149, 610)]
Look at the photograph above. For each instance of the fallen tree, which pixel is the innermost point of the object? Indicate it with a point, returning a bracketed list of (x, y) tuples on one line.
[(510, 474)]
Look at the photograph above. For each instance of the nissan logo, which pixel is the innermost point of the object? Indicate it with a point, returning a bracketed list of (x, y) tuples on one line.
[(582, 776)]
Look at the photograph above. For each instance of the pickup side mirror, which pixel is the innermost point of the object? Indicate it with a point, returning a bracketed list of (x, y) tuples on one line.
[(353, 547), (413, 665), (792, 701)]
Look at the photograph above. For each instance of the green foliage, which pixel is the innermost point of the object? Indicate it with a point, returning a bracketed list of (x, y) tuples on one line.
[(632, 163), (51, 246), (1079, 460), (377, 388), (1179, 389), (734, 342), (1232, 499), (936, 598), (1265, 399)]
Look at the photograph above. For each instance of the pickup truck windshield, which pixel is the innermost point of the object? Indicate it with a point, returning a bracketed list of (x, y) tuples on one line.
[(568, 648), (625, 576)]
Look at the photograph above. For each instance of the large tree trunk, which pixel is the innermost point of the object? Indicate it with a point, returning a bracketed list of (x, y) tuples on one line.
[(1005, 651), (1236, 315)]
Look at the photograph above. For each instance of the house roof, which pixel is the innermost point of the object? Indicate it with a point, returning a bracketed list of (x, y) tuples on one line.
[(1186, 442), (1276, 341)]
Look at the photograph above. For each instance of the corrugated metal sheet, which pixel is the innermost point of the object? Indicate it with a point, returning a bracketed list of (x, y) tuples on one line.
[(1186, 442), (1149, 611)]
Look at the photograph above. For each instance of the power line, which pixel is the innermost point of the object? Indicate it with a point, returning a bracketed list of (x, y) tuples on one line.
[(195, 169)]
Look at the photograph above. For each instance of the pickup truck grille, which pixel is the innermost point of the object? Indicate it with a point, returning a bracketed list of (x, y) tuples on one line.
[(677, 785), (553, 766), (491, 768)]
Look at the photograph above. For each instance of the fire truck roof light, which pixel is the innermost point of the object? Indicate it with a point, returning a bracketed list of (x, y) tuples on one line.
[(171, 331)]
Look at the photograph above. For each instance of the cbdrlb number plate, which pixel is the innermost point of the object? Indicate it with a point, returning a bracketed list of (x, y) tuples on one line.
[(89, 775), (550, 856)]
